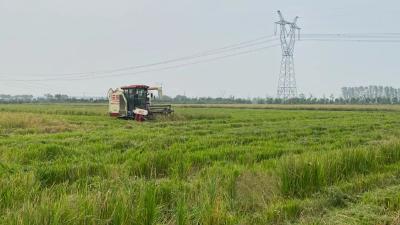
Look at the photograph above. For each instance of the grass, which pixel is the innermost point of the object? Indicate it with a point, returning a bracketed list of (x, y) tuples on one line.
[(206, 164)]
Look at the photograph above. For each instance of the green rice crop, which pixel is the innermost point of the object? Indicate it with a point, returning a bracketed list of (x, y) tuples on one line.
[(203, 165), (309, 173)]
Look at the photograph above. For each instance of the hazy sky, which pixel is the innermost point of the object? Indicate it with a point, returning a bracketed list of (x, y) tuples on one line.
[(43, 37)]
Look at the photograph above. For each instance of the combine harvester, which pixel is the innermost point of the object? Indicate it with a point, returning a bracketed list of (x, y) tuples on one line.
[(134, 102)]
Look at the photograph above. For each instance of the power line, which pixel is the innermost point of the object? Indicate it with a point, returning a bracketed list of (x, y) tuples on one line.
[(353, 34), (185, 58), (210, 53), (355, 37), (154, 70), (227, 48), (353, 40)]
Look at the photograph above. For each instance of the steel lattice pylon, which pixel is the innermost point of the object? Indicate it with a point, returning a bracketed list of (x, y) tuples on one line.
[(287, 81)]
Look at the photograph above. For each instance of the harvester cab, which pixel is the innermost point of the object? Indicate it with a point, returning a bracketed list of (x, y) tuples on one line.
[(134, 102)]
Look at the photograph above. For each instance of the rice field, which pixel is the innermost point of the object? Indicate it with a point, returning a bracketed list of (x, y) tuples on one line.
[(204, 165)]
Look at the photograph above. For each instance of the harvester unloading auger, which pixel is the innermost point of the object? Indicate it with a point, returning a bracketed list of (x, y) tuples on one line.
[(134, 102)]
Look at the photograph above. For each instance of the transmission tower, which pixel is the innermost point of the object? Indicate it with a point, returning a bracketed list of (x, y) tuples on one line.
[(287, 82)]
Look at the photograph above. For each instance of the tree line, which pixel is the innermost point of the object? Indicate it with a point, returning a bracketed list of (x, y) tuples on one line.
[(350, 95), (371, 94), (49, 98)]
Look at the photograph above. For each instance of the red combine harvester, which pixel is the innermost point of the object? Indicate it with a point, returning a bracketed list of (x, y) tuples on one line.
[(134, 102)]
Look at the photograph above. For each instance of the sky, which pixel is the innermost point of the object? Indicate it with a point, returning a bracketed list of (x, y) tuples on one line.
[(51, 38)]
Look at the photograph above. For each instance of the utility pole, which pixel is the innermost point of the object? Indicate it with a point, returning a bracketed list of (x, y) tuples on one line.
[(287, 81)]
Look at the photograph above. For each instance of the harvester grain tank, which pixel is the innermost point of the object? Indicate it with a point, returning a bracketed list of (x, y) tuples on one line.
[(134, 102)]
